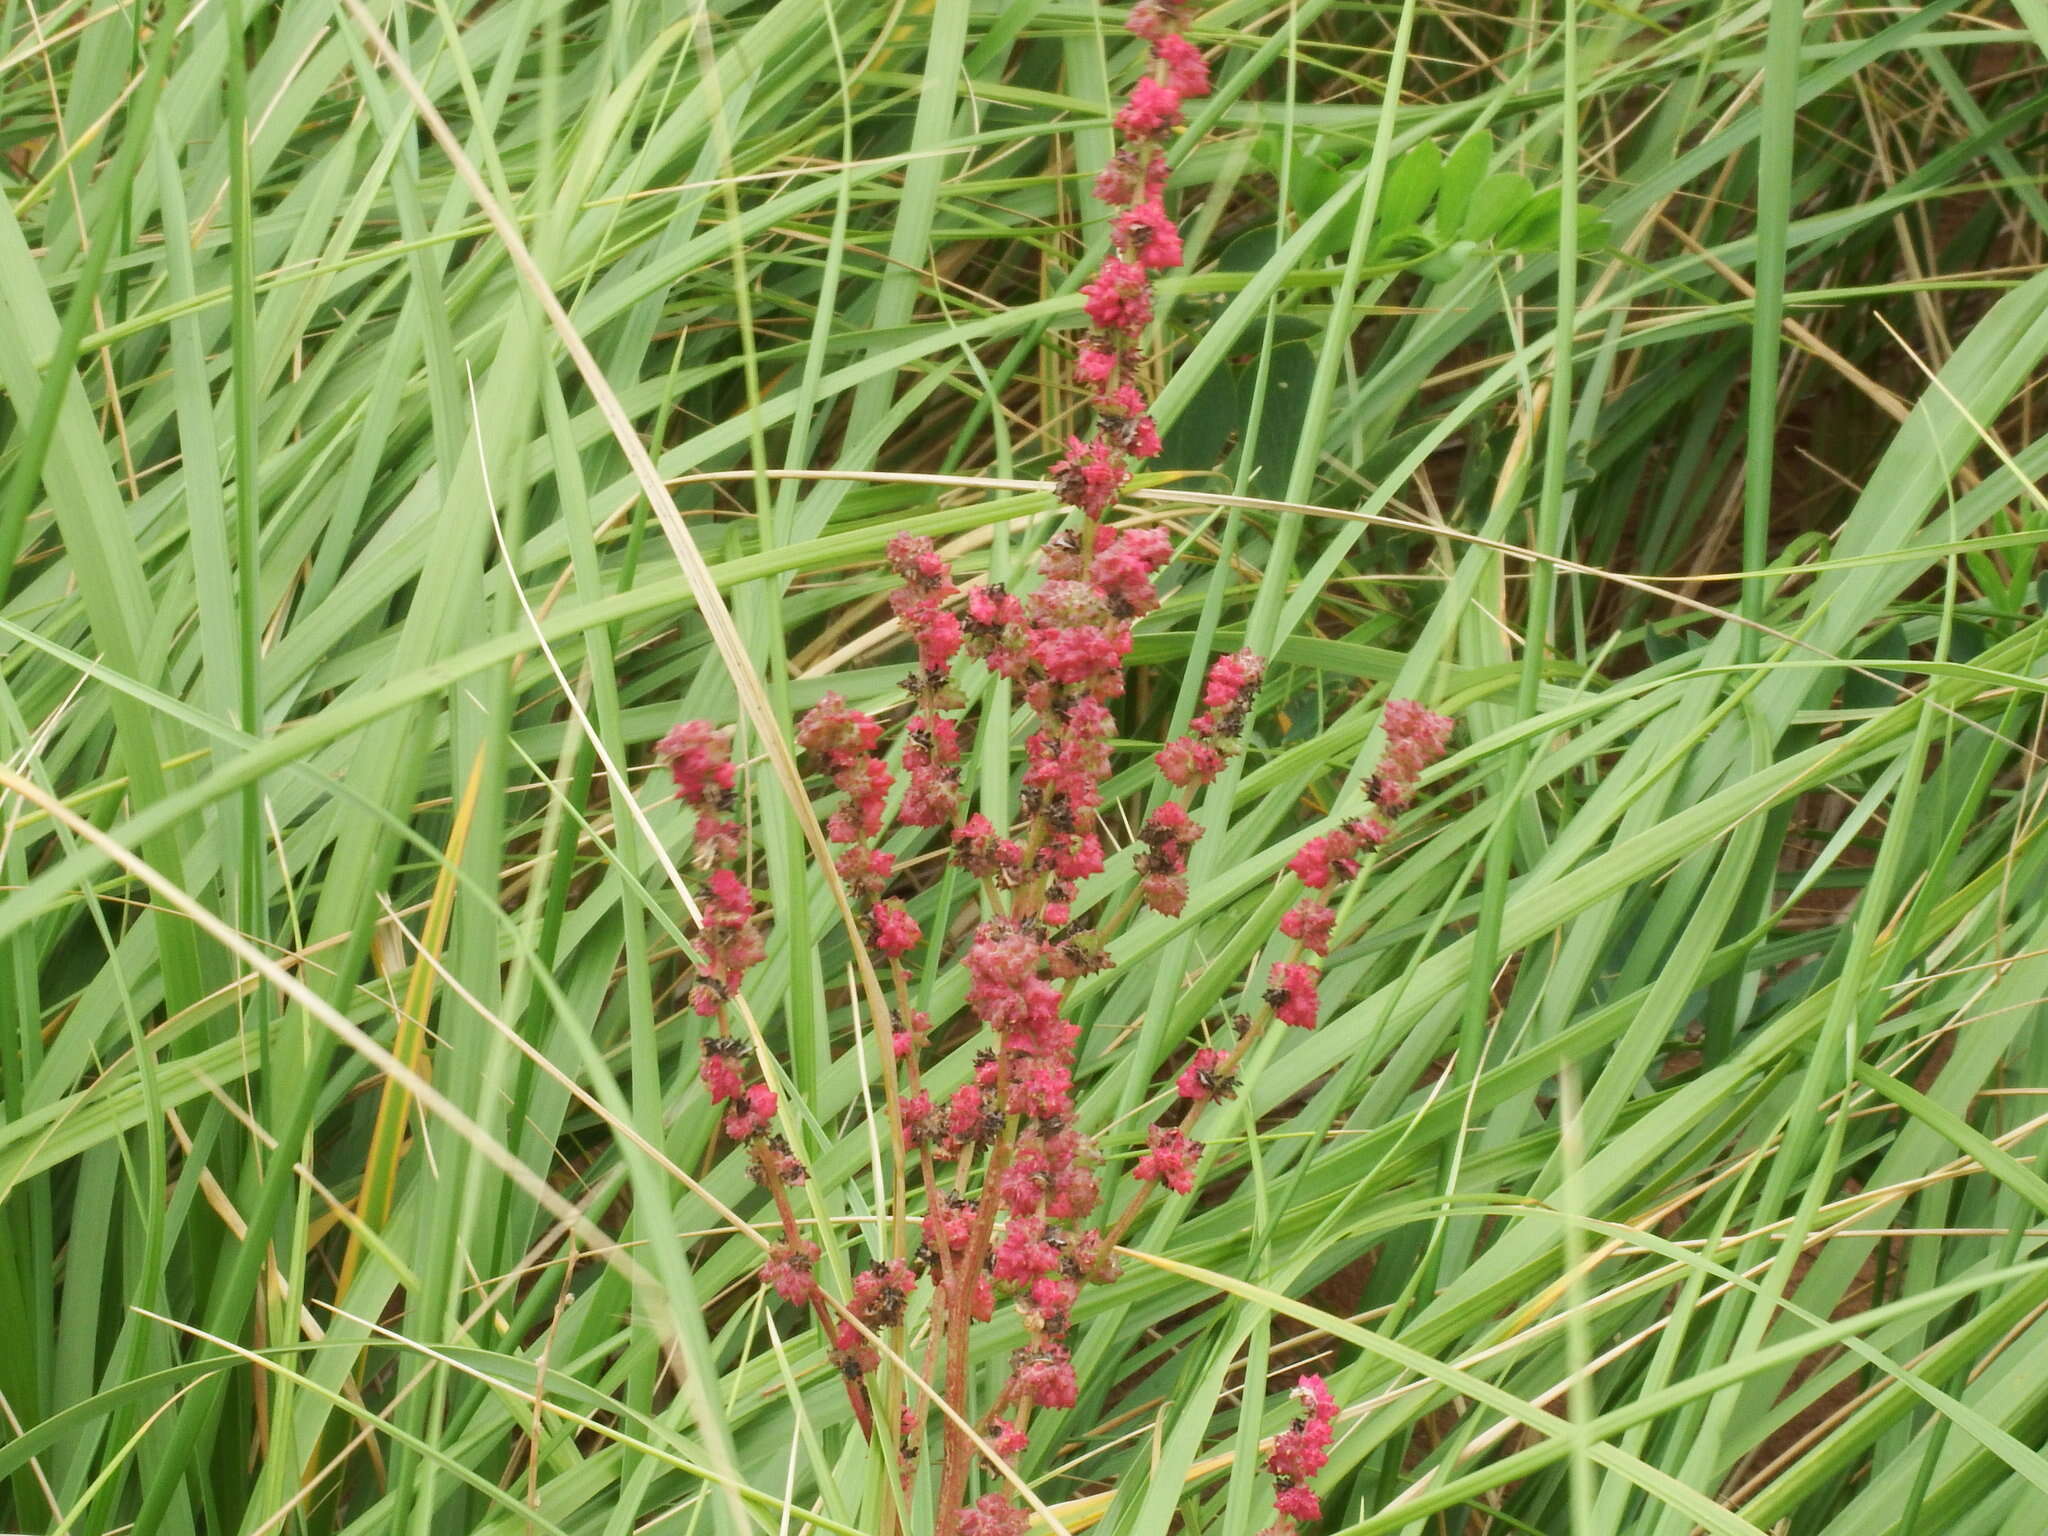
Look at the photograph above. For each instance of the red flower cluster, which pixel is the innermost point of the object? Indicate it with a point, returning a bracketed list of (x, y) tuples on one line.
[(752, 1113), (895, 930), (931, 740), (1291, 992), (1416, 737), (1118, 299), (729, 939), (1227, 695), (1206, 1076), (1299, 1452), (788, 1270), (1170, 1159), (993, 1515), (699, 758), (1168, 834), (846, 738)]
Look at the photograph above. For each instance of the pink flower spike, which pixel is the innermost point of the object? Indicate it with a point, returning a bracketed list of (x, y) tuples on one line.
[(1120, 182), (1186, 70), (751, 1113), (1089, 476), (1184, 761), (895, 930), (1309, 923), (1311, 865), (1298, 1503), (1231, 677), (719, 1070), (836, 732), (993, 1515), (1119, 298), (1154, 107), (1201, 1079), (1148, 235), (1291, 990), (1302, 1450), (1155, 19), (1094, 366), (1046, 1376), (788, 1270), (1171, 1159), (1416, 737), (916, 561), (699, 758)]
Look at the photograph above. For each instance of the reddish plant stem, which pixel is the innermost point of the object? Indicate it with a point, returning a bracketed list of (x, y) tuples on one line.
[(958, 1450), (792, 1234)]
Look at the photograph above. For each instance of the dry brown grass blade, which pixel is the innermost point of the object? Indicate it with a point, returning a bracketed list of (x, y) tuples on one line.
[(387, 1135)]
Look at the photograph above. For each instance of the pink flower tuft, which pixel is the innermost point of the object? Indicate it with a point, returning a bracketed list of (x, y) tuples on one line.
[(916, 560), (752, 1112), (1186, 70), (1168, 834), (931, 753), (1080, 653), (1094, 366), (1298, 1503), (1122, 181), (1089, 476), (1154, 107), (993, 1515), (1303, 1448), (1184, 762), (880, 1292), (1078, 858), (788, 1270), (993, 608), (918, 1114), (1416, 737), (1334, 855), (895, 930), (1123, 568), (865, 869), (1120, 297), (1230, 677), (730, 942), (836, 732), (1148, 235), (1156, 19), (1045, 1375), (1171, 1159), (1309, 923), (719, 1069), (699, 758), (1202, 1078), (1291, 990), (978, 850)]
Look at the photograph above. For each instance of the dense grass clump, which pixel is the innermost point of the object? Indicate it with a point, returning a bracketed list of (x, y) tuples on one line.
[(412, 414)]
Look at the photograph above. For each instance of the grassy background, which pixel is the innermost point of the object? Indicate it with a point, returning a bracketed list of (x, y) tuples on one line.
[(1668, 1158)]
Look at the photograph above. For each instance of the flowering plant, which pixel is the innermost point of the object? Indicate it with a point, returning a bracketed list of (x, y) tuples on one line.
[(1006, 1180)]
